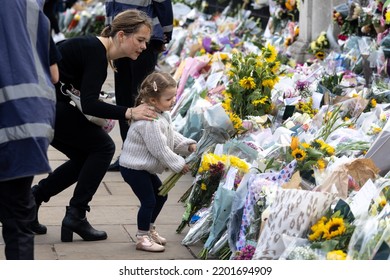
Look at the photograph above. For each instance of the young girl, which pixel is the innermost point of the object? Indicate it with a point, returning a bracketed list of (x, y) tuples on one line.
[(151, 148)]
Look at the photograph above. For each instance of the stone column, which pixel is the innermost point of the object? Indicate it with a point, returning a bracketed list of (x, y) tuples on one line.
[(315, 16)]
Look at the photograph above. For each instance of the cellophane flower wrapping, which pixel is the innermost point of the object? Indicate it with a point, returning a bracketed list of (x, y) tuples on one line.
[(210, 172), (223, 202), (291, 212), (371, 238), (221, 210), (200, 229), (299, 249), (217, 128)]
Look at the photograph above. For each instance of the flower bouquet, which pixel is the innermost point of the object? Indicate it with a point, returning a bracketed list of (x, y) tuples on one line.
[(333, 230), (210, 172), (319, 46), (252, 77), (200, 229), (223, 202), (217, 129)]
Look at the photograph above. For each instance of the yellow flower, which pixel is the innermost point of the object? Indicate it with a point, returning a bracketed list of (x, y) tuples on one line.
[(259, 62), (235, 119), (313, 46), (306, 145), (263, 100), (299, 154), (329, 150), (336, 255), (387, 16), (334, 227), (321, 164), (318, 229), (296, 31), (275, 68), (270, 53), (381, 201), (268, 83), (294, 143), (320, 55), (247, 83), (376, 130), (207, 160), (289, 6), (321, 38), (373, 103), (239, 163), (203, 187)]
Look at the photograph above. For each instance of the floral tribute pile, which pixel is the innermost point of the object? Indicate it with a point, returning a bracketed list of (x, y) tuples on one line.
[(300, 171), (292, 158)]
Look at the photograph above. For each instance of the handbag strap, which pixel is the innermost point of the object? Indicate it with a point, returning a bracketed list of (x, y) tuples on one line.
[(69, 89)]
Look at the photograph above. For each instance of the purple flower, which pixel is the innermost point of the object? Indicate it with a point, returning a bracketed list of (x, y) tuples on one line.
[(301, 85)]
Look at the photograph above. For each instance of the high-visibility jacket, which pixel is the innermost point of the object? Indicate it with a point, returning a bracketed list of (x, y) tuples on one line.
[(160, 11), (27, 96)]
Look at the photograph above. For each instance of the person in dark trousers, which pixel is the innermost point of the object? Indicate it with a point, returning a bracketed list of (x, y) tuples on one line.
[(130, 73), (149, 149), (27, 110), (90, 149), (50, 9)]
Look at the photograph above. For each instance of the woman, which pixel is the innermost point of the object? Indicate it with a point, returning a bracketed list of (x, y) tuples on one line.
[(89, 148)]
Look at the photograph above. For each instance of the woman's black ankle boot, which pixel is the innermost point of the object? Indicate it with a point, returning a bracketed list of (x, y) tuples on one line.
[(76, 221), (36, 227)]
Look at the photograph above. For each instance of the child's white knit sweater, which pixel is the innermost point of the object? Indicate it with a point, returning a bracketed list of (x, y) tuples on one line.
[(154, 146)]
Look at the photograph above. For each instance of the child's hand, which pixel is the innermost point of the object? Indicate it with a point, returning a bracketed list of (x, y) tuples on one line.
[(185, 169), (192, 148)]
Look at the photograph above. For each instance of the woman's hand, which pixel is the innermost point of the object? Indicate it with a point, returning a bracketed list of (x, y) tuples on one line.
[(141, 112)]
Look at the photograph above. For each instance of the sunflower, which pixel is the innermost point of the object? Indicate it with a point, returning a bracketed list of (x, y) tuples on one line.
[(336, 255), (270, 53), (299, 154), (321, 164), (247, 83), (320, 55), (334, 227), (318, 229), (270, 83), (260, 101)]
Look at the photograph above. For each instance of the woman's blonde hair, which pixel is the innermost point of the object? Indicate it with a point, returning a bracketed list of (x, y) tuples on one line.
[(153, 85), (129, 21)]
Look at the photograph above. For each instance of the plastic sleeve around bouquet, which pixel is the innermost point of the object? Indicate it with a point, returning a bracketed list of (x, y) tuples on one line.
[(200, 229), (217, 130)]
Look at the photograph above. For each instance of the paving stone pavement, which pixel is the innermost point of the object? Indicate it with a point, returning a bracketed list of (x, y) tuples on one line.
[(113, 209)]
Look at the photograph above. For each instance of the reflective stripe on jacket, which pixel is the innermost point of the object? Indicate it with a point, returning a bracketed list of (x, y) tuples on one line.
[(27, 96)]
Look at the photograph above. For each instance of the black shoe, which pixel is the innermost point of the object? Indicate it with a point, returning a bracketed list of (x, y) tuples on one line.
[(38, 228), (114, 166), (76, 221)]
